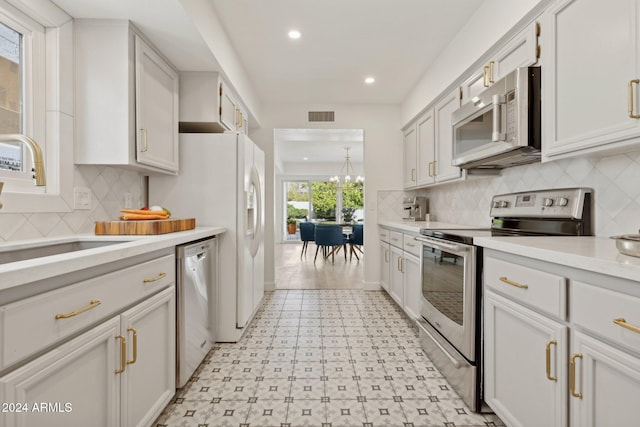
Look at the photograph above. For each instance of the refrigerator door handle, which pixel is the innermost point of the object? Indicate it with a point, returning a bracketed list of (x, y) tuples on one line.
[(257, 228)]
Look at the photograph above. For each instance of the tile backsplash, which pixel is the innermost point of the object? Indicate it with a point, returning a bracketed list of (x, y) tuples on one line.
[(614, 180), (108, 186)]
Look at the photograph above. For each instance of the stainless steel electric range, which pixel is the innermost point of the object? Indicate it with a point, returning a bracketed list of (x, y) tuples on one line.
[(451, 323)]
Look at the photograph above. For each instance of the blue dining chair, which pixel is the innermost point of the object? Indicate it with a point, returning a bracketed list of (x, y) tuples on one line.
[(307, 234), (356, 240), (329, 236)]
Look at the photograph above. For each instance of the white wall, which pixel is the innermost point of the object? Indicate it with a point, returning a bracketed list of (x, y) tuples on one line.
[(382, 159)]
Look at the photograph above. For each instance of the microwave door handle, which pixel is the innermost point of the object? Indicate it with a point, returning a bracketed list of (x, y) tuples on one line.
[(497, 135)]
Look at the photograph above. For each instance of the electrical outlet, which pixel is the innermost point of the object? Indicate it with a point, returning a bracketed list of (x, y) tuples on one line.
[(82, 198), (128, 200)]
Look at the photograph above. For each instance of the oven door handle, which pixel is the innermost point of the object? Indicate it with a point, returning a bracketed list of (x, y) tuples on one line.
[(439, 244), (453, 361)]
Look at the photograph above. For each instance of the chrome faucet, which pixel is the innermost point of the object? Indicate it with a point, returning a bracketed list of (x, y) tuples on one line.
[(36, 155)]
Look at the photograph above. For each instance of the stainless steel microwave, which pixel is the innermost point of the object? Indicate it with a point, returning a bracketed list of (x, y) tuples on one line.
[(500, 127)]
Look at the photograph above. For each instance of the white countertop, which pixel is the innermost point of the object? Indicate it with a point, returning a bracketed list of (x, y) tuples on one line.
[(416, 226), (596, 254), (22, 272)]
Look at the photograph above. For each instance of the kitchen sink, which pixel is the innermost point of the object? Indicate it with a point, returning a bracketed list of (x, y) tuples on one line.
[(56, 248)]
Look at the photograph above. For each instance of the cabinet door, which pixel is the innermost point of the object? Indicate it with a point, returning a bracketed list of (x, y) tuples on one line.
[(425, 149), (78, 378), (587, 74), (520, 51), (148, 382), (412, 285), (475, 84), (227, 107), (522, 351), (608, 381), (156, 110), (444, 171), (385, 263), (409, 155), (396, 279)]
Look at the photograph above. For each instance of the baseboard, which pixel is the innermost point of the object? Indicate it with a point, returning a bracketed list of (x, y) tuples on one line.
[(269, 286), (372, 286)]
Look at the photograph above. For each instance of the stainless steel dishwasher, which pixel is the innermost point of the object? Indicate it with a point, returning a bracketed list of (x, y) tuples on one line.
[(196, 301)]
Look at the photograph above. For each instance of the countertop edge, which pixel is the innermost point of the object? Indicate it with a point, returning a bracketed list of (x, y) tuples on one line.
[(593, 254), (23, 272)]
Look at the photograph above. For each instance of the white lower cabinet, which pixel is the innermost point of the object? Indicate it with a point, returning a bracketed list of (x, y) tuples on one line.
[(525, 368), (396, 277), (400, 270), (385, 265), (119, 373), (543, 368), (412, 285), (606, 388)]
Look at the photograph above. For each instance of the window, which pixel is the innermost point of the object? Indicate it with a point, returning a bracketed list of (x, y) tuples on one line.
[(36, 70)]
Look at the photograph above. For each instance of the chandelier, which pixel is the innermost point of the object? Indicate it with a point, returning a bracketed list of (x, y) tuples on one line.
[(347, 171)]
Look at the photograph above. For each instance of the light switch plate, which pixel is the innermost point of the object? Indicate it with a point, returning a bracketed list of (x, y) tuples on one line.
[(82, 198)]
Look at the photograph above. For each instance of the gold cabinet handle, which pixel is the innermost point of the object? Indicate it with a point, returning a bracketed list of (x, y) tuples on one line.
[(435, 171), (490, 72), (621, 322), (394, 239), (135, 346), (549, 344), (572, 375), (123, 354), (413, 174), (145, 141), (92, 304), (485, 69), (512, 283), (386, 255), (631, 83), (431, 171), (155, 279), (401, 265), (410, 245)]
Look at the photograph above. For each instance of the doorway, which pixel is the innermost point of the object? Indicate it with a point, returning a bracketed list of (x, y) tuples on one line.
[(311, 169)]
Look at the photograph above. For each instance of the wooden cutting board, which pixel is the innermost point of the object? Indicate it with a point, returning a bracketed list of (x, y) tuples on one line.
[(147, 227)]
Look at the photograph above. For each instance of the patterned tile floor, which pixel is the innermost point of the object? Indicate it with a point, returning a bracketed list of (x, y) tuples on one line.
[(323, 358)]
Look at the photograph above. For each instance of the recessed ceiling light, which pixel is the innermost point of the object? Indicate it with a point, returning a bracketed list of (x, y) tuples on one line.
[(305, 158), (370, 80), (294, 34)]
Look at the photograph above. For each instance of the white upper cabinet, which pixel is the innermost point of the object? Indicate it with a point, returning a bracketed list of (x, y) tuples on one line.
[(521, 51), (442, 168), (409, 155), (126, 99), (426, 147), (208, 105), (156, 109), (590, 78)]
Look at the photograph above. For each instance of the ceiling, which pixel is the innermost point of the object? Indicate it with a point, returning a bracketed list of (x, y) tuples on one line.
[(318, 145), (342, 42)]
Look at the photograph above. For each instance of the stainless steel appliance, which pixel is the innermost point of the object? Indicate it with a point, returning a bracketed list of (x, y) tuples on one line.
[(196, 301), (450, 328), (415, 208), (501, 126)]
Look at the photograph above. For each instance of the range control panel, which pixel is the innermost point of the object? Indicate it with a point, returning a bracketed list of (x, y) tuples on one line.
[(558, 203)]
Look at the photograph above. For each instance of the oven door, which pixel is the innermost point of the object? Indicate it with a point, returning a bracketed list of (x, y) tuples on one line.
[(449, 291)]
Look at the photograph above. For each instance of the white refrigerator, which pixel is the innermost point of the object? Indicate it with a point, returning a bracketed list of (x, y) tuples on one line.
[(221, 183)]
